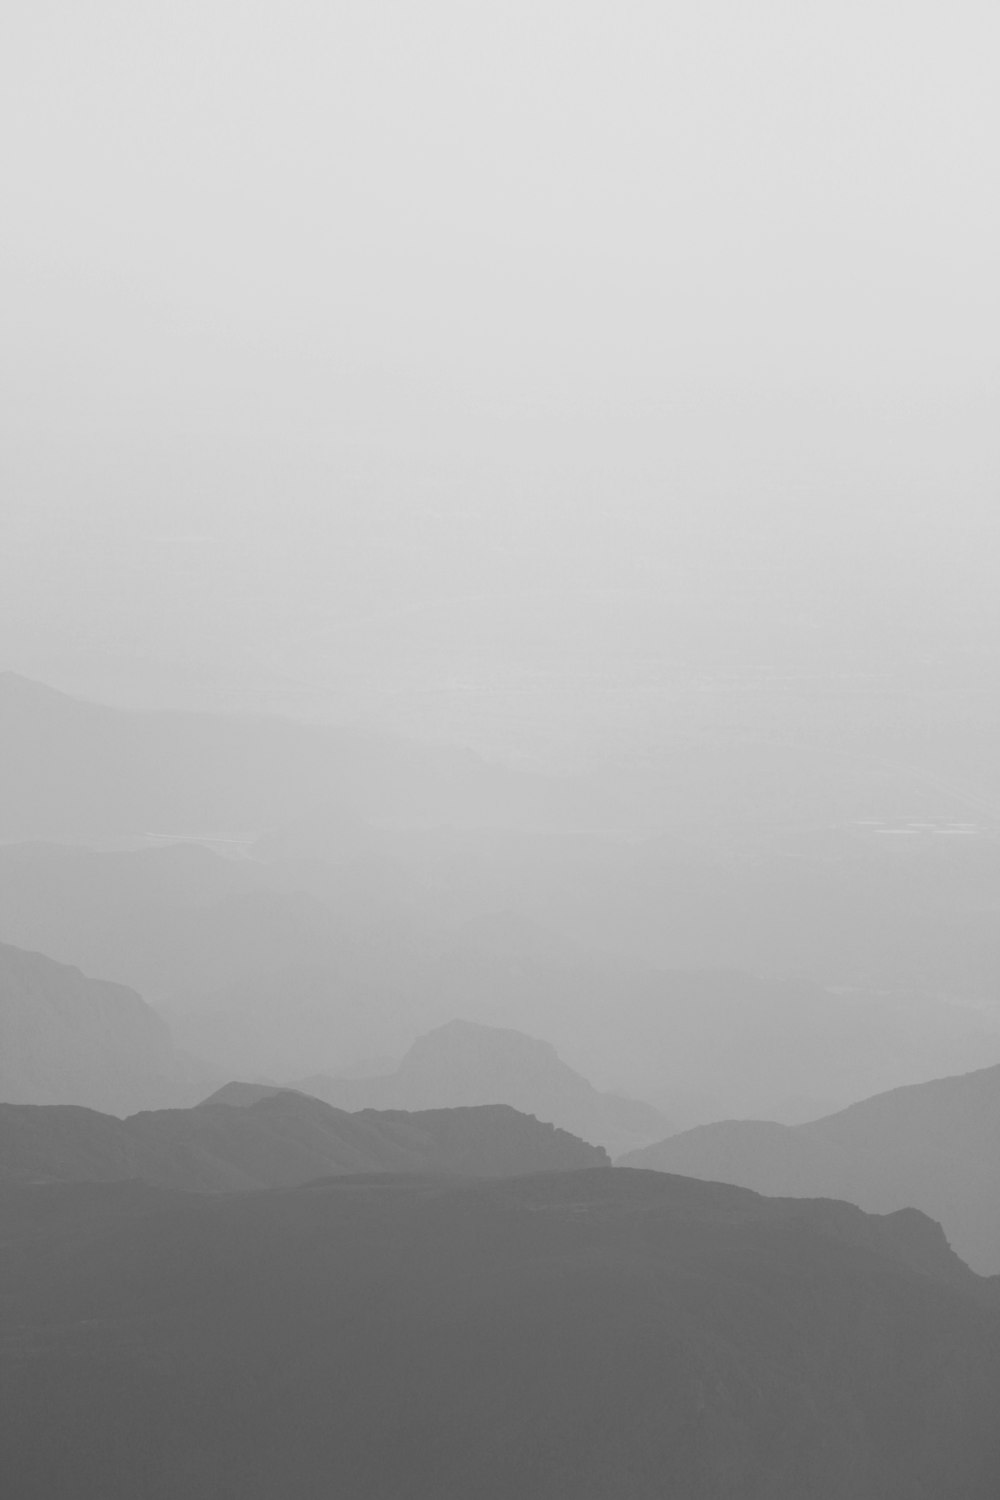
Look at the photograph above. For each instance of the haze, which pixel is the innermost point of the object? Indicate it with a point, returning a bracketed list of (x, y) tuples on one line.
[(499, 750), (369, 360)]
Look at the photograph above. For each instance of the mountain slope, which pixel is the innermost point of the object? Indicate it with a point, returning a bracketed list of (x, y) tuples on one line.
[(934, 1145), (464, 1063), (573, 1335), (274, 1138), (66, 1038)]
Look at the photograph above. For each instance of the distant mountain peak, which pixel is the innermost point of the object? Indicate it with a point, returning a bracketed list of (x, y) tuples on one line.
[(475, 1039), (464, 1063), (241, 1095)]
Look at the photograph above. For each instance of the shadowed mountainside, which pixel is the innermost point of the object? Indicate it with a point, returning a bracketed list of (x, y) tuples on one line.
[(248, 1136), (584, 1334), (935, 1146)]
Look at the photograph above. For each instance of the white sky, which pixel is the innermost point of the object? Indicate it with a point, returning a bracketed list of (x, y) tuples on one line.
[(317, 312)]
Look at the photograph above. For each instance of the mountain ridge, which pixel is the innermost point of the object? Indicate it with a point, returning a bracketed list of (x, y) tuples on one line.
[(276, 1138), (932, 1146), (464, 1062)]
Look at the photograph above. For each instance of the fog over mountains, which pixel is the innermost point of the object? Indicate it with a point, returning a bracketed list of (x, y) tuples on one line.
[(315, 1049), (826, 970), (85, 771), (499, 751)]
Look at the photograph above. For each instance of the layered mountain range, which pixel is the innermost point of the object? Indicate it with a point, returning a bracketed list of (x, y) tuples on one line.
[(935, 1146), (288, 969), (418, 1275), (462, 1063), (70, 1039), (248, 1136)]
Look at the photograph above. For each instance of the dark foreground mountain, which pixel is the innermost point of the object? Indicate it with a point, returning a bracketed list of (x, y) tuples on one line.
[(559, 1337), (252, 1137), (69, 1039), (463, 1063), (935, 1146)]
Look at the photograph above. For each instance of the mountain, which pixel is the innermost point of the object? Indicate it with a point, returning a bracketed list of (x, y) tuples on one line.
[(464, 1063), (68, 1039), (283, 969), (702, 1044), (935, 1146), (247, 1136), (249, 969), (580, 1334)]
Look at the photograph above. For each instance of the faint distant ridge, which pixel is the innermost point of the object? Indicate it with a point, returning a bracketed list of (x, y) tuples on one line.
[(15, 683), (73, 770), (253, 1136), (933, 1146), (464, 1063)]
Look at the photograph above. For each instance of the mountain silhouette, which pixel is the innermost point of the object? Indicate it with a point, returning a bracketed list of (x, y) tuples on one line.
[(247, 1136), (584, 1334), (70, 1039), (931, 1145), (465, 1063)]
